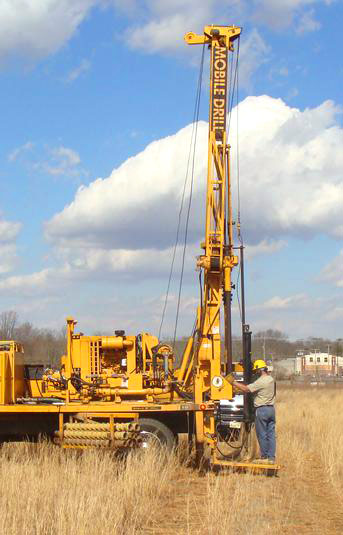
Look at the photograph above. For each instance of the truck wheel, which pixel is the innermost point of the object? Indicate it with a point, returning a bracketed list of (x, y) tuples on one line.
[(155, 433)]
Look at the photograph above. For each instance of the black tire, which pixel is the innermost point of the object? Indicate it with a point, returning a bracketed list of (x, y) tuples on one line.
[(156, 433)]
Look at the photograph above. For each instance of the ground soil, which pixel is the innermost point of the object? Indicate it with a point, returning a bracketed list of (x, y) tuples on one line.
[(317, 509), (311, 507)]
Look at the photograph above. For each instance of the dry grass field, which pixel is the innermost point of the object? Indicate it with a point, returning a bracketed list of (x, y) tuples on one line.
[(45, 491)]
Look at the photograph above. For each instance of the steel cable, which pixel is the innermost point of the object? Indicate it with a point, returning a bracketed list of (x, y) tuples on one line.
[(194, 133), (232, 94), (197, 110)]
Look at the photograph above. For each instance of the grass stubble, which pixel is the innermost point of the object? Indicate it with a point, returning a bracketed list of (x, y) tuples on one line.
[(46, 491)]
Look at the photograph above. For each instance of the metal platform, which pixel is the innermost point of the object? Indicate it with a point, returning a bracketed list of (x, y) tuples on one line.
[(249, 466)]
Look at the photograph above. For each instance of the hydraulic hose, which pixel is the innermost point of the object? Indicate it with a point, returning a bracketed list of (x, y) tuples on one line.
[(183, 395)]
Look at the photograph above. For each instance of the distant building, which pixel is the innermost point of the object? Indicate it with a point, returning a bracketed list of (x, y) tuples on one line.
[(318, 364)]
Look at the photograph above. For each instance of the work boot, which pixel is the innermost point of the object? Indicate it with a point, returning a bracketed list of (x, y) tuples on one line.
[(260, 461), (270, 461)]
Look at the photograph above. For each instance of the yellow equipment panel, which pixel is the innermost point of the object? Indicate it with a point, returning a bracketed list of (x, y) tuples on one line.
[(12, 382)]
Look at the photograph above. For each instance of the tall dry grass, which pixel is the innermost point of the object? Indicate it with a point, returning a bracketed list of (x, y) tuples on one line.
[(45, 491), (314, 418)]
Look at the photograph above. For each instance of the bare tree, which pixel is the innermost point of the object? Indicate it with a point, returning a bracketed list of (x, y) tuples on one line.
[(8, 322)]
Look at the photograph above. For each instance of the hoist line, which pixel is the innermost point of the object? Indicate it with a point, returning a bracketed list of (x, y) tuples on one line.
[(237, 153), (238, 283), (190, 193), (234, 86), (195, 115), (231, 60), (239, 234), (232, 93)]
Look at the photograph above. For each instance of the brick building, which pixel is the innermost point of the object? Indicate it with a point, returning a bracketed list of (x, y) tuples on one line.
[(317, 363)]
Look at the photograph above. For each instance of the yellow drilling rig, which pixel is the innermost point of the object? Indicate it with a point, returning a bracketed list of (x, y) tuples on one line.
[(123, 391)]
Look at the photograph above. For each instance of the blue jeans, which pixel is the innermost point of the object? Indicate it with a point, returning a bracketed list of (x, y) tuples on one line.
[(265, 430)]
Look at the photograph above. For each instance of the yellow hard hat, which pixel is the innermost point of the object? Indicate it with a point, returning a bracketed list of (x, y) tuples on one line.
[(259, 365)]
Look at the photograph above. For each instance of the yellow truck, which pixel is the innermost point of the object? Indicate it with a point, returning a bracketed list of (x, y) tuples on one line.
[(124, 391)]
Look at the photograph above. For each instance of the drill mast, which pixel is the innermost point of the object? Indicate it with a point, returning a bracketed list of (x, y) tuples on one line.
[(218, 258)]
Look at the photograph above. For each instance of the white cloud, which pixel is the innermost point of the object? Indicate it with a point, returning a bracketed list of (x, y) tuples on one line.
[(64, 161), (26, 284), (37, 28), (55, 161), (265, 247), (83, 67), (160, 26), (299, 315), (8, 254), (83, 264), (254, 52), (15, 153), (335, 314), (124, 263), (307, 22), (297, 187), (136, 206), (291, 183), (80, 264), (280, 303), (333, 271), (34, 29), (70, 156), (292, 94), (157, 26), (122, 228), (280, 14), (76, 265), (8, 230), (8, 257)]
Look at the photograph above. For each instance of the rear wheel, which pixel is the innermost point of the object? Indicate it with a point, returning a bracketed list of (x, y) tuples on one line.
[(156, 434)]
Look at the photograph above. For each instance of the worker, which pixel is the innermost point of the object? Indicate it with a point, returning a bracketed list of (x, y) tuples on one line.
[(263, 390)]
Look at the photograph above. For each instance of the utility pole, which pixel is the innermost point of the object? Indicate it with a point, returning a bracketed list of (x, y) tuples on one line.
[(264, 346)]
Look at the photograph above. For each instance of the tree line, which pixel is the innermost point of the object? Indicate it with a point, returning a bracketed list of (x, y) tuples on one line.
[(274, 345), (46, 346), (41, 346)]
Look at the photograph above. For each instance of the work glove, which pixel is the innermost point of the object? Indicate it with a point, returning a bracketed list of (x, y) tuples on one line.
[(230, 378)]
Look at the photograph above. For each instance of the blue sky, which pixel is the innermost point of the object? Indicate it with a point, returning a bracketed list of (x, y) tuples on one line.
[(106, 88)]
